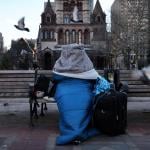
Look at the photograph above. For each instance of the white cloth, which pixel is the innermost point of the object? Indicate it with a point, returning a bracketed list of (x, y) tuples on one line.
[(91, 74)]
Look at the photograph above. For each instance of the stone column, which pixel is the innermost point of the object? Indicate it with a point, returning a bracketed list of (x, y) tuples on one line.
[(56, 36)]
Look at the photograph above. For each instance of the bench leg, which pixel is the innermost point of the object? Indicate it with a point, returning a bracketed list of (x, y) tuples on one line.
[(42, 112), (31, 115), (35, 111), (45, 106)]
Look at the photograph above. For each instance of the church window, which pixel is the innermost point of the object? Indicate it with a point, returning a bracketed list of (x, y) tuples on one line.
[(72, 4), (66, 6), (73, 36), (80, 17), (67, 37), (86, 36), (46, 34), (80, 36), (48, 19), (52, 35), (66, 19), (79, 5), (60, 37), (95, 31), (98, 19), (43, 35)]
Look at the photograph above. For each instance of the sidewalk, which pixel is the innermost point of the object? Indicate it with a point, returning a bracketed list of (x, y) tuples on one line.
[(16, 134)]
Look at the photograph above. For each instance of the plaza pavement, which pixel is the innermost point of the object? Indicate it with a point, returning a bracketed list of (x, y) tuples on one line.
[(16, 134)]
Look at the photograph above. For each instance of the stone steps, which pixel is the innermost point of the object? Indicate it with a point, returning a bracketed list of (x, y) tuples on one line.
[(15, 83)]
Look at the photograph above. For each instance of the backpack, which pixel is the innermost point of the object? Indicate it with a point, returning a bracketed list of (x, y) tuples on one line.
[(110, 112)]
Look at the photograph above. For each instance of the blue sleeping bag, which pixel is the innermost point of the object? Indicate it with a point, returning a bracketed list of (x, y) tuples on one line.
[(74, 99)]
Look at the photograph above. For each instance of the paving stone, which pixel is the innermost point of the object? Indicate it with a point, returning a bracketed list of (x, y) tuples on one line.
[(16, 134), (2, 139)]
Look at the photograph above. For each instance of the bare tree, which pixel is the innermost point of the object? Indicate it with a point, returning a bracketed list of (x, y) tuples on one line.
[(129, 29)]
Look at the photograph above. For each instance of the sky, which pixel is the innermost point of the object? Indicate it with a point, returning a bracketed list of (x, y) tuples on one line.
[(12, 10)]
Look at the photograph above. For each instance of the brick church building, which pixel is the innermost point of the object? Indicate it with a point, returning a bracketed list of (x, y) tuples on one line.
[(72, 21)]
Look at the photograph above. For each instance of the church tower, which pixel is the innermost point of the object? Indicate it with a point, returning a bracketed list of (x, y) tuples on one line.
[(91, 6), (65, 8)]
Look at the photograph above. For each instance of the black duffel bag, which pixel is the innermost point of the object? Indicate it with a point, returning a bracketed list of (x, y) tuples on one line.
[(110, 112)]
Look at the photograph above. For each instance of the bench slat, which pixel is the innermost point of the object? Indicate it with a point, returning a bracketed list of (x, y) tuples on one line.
[(12, 95), (17, 79), (14, 90)]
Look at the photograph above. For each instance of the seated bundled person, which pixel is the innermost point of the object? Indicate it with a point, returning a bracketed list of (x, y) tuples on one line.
[(75, 77)]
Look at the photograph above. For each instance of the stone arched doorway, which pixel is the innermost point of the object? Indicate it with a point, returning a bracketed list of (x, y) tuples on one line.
[(60, 37), (48, 61)]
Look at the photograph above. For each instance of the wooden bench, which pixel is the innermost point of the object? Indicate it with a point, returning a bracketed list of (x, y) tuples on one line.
[(15, 84)]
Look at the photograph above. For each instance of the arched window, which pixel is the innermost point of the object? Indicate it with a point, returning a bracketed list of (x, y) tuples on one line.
[(80, 36), (72, 4), (52, 35), (42, 35), (80, 16), (65, 5), (98, 19), (73, 36), (66, 19), (48, 19), (79, 5), (86, 36), (67, 37), (60, 37), (46, 34)]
